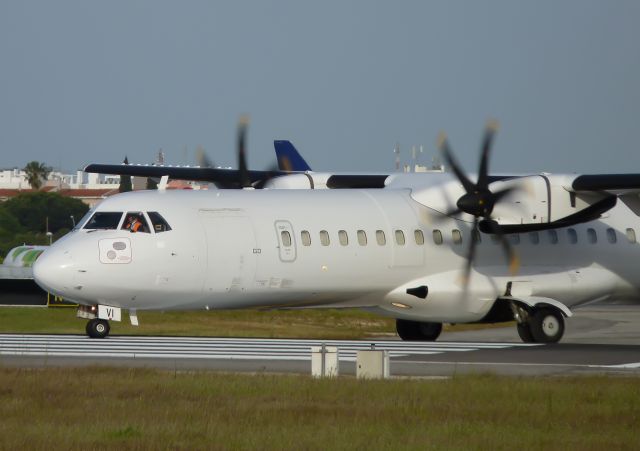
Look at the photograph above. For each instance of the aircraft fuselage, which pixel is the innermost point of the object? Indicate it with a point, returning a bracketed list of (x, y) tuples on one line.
[(229, 249)]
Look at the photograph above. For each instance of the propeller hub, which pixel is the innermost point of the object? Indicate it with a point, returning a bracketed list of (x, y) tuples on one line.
[(478, 204)]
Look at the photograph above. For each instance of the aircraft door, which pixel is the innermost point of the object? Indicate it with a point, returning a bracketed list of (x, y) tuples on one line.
[(286, 241), (231, 261)]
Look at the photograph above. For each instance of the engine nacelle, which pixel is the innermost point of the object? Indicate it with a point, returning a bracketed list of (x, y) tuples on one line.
[(548, 199), (536, 201)]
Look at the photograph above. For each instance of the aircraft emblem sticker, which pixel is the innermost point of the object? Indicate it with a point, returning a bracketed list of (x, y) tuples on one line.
[(115, 251)]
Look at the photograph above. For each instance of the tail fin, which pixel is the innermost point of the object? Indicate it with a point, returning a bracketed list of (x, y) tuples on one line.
[(288, 157)]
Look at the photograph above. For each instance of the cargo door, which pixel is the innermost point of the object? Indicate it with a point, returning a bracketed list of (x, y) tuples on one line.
[(231, 262)]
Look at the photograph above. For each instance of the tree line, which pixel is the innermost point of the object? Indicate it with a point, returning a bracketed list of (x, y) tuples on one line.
[(24, 219)]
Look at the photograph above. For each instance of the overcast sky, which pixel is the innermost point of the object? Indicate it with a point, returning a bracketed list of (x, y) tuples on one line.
[(88, 81)]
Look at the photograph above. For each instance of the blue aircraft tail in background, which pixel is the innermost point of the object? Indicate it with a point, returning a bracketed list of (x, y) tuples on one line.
[(289, 159)]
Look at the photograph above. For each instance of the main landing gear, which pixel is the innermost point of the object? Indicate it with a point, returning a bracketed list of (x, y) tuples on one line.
[(535, 325), (418, 331), (98, 328), (544, 325)]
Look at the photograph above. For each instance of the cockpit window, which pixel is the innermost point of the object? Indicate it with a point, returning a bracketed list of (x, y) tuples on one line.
[(159, 224), (80, 224), (103, 220), (135, 222)]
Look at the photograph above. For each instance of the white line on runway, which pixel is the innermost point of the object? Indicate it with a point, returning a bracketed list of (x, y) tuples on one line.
[(216, 348), (625, 366)]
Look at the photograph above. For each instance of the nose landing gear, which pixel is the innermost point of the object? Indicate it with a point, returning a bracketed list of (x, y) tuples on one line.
[(98, 328)]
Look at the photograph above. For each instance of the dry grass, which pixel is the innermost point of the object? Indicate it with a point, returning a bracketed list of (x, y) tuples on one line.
[(146, 409)]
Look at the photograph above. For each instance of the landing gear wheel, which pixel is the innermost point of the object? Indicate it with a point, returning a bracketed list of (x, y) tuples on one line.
[(418, 331), (98, 328), (546, 325), (524, 331)]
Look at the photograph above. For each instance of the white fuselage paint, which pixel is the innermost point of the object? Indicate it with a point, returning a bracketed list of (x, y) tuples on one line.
[(226, 251)]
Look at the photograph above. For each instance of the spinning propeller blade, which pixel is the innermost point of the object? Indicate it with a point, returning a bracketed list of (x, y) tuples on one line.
[(478, 201)]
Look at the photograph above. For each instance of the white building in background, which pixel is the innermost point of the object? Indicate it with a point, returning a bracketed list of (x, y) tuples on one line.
[(13, 179), (17, 179)]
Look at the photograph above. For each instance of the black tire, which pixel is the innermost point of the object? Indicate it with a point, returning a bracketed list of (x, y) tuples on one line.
[(418, 331), (406, 330), (546, 325), (524, 331), (98, 328)]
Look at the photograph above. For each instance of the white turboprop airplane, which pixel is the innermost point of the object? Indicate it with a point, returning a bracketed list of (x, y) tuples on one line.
[(391, 244)]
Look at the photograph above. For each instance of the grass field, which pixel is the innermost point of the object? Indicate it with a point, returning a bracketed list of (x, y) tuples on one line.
[(328, 324), (321, 324), (95, 408)]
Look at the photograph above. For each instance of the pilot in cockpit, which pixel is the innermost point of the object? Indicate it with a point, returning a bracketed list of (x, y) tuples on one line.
[(135, 223)]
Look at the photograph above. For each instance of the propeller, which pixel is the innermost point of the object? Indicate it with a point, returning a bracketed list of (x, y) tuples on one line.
[(243, 173), (244, 178), (203, 159), (478, 200)]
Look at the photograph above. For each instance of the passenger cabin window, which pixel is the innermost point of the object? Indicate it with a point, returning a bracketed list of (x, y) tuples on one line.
[(324, 238), (306, 238), (400, 238), (104, 220), (286, 238), (553, 236), (380, 238), (362, 238), (592, 236), (515, 238), (419, 237), (134, 222), (437, 237), (343, 237), (573, 236), (456, 236), (611, 236), (534, 237), (631, 235), (158, 222)]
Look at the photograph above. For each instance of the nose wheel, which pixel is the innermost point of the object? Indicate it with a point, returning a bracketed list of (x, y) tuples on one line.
[(98, 328)]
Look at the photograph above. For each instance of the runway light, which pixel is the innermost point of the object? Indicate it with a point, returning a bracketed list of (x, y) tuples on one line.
[(400, 305)]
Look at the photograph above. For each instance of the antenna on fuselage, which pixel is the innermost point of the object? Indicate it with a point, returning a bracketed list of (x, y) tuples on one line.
[(396, 150)]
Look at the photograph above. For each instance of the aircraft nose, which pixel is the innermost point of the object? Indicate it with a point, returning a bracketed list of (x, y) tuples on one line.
[(53, 271)]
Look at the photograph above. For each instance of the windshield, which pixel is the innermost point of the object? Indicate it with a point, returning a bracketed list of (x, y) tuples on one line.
[(104, 220), (159, 223), (84, 219), (135, 222)]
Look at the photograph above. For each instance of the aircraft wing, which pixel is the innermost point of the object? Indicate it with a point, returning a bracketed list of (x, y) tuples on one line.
[(611, 183), (625, 186), (223, 178)]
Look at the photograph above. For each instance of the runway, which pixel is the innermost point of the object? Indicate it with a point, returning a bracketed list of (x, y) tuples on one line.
[(286, 356), (598, 339)]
